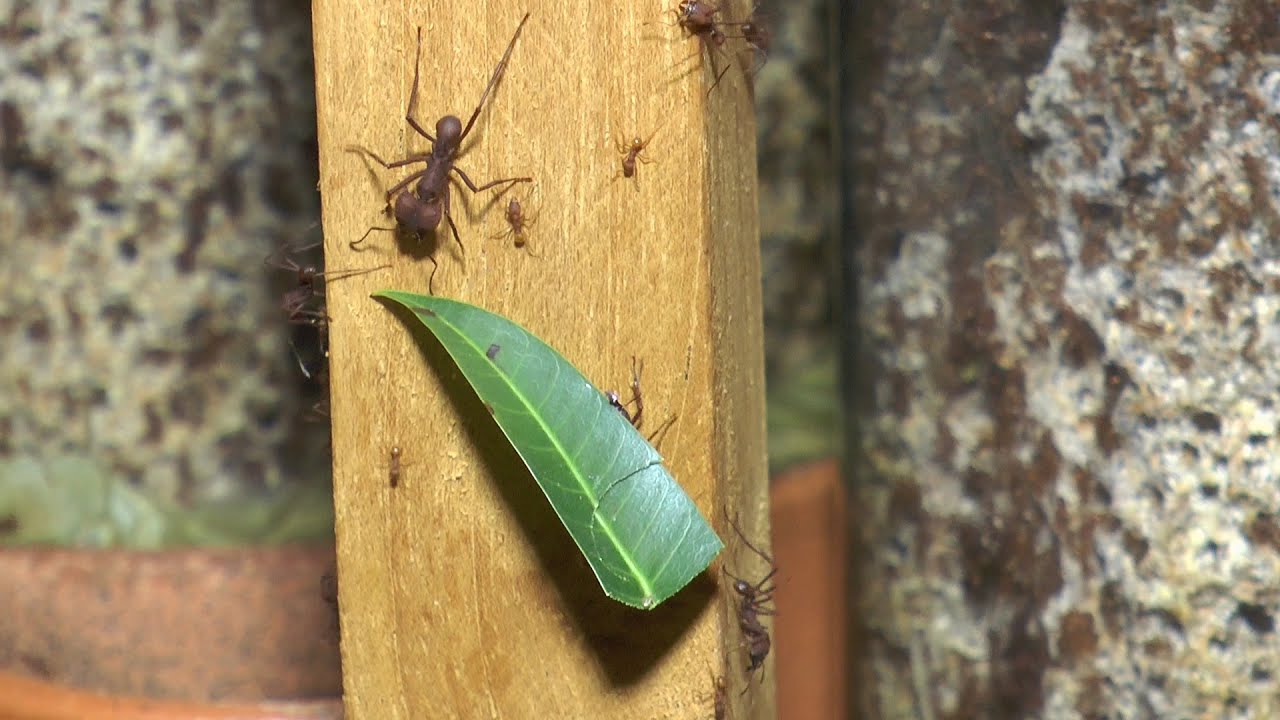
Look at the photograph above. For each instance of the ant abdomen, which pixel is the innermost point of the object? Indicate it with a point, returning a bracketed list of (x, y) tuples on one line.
[(417, 213)]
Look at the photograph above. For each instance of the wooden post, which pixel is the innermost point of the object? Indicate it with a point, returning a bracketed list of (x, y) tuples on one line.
[(461, 595)]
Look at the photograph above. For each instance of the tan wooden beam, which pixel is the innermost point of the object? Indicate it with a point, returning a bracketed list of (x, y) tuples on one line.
[(461, 595)]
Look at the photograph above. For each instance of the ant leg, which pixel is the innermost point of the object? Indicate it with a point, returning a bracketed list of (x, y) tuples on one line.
[(431, 281), (637, 367), (719, 76), (420, 157), (754, 549), (354, 243), (403, 184), (497, 73), (657, 436), (449, 216), (473, 188), (413, 95)]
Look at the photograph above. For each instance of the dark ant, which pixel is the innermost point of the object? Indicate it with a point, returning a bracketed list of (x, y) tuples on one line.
[(758, 38), (329, 593), (754, 604), (420, 209), (698, 18), (637, 398), (296, 301), (393, 471)]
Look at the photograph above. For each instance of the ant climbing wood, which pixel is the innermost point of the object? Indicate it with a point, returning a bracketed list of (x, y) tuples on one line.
[(633, 151), (393, 466), (698, 18), (420, 209), (297, 302), (721, 697), (637, 398), (754, 603), (518, 224)]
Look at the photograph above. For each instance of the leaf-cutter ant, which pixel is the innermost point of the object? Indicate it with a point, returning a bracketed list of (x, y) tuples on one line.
[(419, 209), (754, 603)]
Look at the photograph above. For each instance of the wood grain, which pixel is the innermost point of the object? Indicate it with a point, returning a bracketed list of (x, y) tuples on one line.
[(461, 594)]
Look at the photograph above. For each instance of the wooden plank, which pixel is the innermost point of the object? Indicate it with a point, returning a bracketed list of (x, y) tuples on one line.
[(461, 594)]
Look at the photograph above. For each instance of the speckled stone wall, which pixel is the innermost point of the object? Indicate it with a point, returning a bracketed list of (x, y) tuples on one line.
[(152, 155), (1069, 216)]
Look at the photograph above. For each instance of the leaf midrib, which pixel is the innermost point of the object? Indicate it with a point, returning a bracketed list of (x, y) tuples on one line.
[(645, 585)]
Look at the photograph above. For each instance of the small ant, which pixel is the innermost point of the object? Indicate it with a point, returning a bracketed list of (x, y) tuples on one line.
[(518, 224), (722, 700), (393, 471), (754, 604), (419, 209), (631, 152)]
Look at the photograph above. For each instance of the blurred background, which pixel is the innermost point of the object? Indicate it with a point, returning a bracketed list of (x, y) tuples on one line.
[(1028, 246), (156, 395)]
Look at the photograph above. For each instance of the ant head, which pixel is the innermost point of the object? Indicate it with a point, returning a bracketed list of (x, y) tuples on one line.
[(448, 130), (742, 587)]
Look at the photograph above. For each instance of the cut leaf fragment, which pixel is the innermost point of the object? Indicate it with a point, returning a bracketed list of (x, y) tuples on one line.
[(640, 532)]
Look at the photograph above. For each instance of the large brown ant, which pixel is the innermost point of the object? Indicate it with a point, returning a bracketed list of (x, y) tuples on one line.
[(754, 604), (698, 18), (419, 209)]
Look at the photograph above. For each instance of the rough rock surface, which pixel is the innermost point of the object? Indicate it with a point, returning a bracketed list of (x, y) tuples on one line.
[(1071, 285), (152, 155)]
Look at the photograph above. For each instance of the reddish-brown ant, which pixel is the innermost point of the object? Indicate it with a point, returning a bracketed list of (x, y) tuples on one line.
[(722, 700), (518, 224), (393, 468), (753, 605), (420, 209), (631, 152)]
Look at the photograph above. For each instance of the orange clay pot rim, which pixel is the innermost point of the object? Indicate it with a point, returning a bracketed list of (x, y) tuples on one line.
[(25, 698)]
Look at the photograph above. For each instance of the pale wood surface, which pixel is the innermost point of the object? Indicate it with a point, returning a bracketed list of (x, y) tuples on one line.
[(461, 594)]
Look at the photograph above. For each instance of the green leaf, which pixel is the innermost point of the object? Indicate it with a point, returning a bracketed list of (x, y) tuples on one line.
[(639, 530)]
